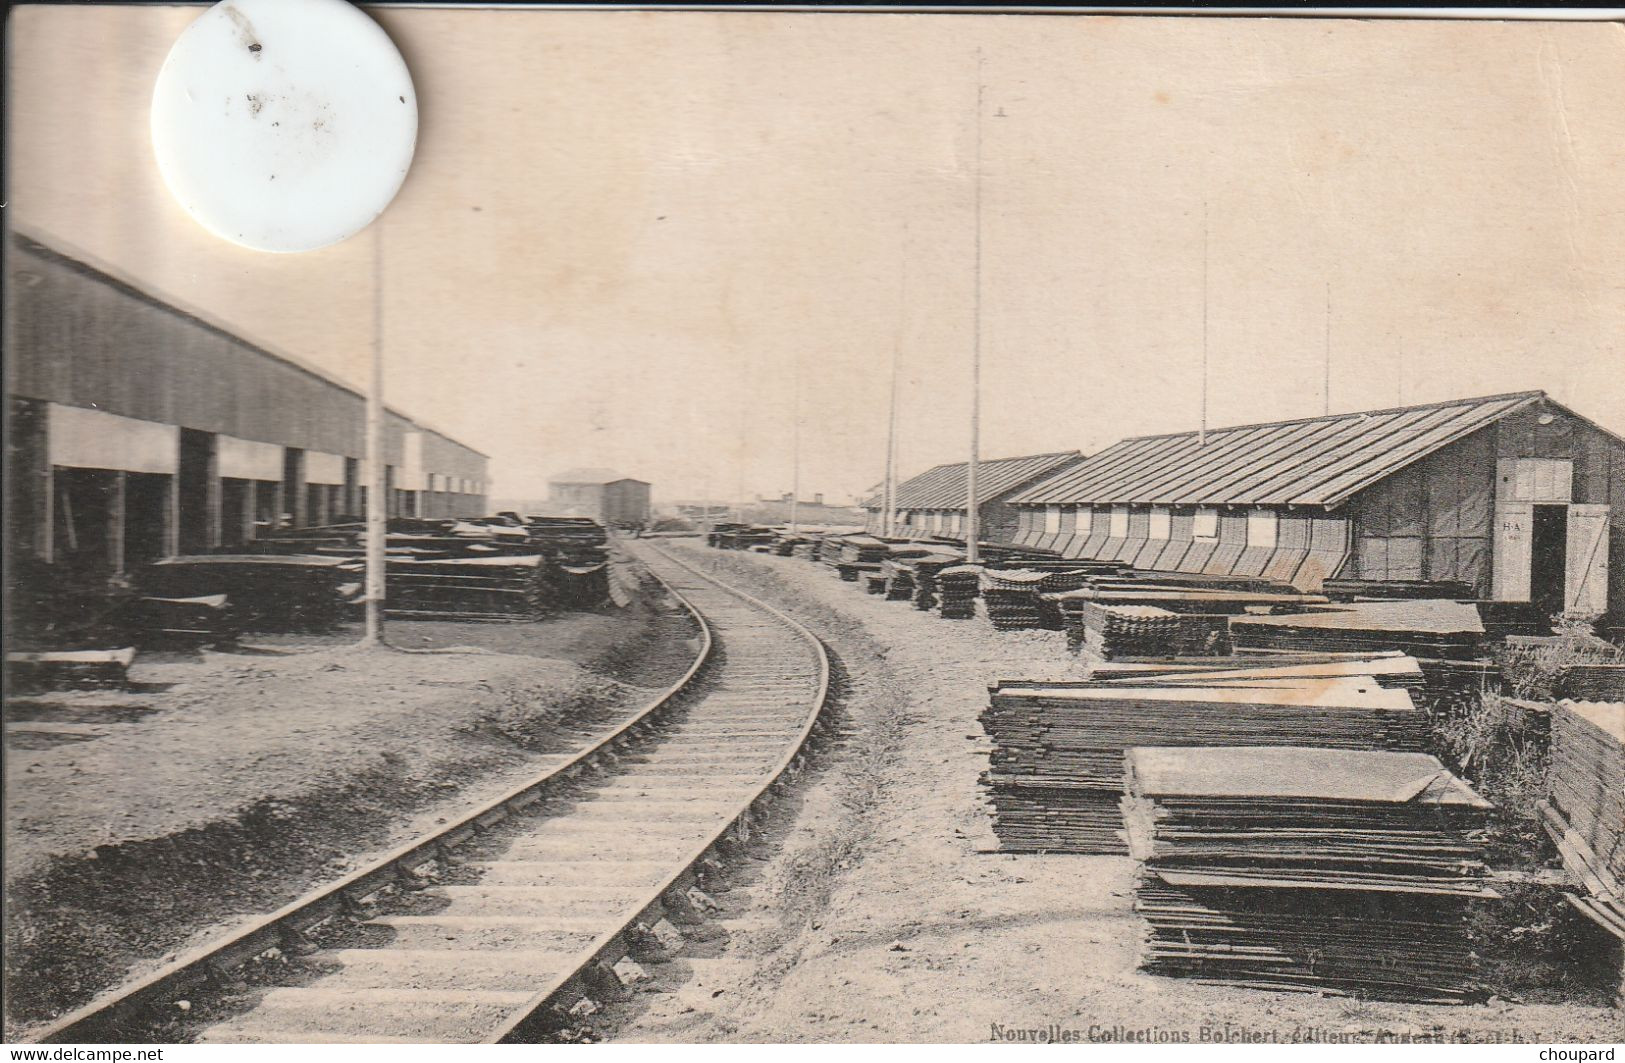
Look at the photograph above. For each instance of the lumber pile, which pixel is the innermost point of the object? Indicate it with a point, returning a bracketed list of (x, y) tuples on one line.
[(469, 588), (281, 592), (1432, 628), (69, 670), (1350, 590), (1585, 810), (1345, 872), (203, 619), (1055, 772), (733, 536), (1600, 681)]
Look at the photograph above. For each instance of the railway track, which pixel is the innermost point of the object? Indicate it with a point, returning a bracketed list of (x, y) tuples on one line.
[(511, 921)]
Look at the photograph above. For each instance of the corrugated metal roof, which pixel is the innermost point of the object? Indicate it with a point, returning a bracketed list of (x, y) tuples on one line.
[(1317, 461), (943, 487)]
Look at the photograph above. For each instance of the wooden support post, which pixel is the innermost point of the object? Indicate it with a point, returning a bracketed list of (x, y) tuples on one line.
[(246, 510), (116, 517), (213, 533), (172, 515)]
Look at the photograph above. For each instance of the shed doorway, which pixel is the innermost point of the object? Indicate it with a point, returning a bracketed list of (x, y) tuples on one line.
[(1548, 563)]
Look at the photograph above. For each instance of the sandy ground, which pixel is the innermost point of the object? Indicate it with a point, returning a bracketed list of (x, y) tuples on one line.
[(225, 784), (871, 915)]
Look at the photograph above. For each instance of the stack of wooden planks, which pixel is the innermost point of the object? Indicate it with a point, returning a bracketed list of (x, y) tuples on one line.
[(278, 592), (1350, 590), (469, 588), (1432, 628), (1055, 772), (1598, 681), (1340, 871), (1585, 809), (69, 670)]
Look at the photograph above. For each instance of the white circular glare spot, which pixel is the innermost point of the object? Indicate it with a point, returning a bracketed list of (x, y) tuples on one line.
[(284, 125)]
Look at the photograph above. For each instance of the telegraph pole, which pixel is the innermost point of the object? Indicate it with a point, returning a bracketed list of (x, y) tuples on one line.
[(973, 530), (1201, 432), (795, 446), (377, 504)]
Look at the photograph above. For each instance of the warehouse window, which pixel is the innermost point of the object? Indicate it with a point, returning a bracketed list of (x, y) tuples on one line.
[(1161, 522), (1052, 520), (1086, 519), (1206, 523), (957, 526), (1261, 528), (1119, 522)]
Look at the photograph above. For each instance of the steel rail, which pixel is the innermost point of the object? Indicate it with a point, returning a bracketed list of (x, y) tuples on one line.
[(290, 922), (613, 944)]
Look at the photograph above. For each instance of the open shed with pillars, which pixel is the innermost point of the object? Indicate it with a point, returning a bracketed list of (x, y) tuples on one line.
[(137, 429)]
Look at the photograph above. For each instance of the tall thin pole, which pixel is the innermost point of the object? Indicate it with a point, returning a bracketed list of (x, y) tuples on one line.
[(888, 496), (1326, 383), (1201, 432), (973, 530), (795, 447), (377, 520)]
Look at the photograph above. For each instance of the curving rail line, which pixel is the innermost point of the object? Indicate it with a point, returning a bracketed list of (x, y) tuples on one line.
[(505, 923)]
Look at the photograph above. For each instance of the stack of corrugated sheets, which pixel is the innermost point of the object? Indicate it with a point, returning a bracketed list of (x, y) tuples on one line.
[(958, 587), (925, 571), (1011, 597), (1056, 769), (899, 576), (1313, 870), (1433, 628), (1585, 811), (1112, 631)]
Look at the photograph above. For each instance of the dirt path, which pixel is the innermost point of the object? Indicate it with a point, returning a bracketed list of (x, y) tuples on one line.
[(870, 916), (233, 782)]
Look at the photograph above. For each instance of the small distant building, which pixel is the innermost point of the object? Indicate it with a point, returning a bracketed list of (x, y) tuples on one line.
[(1514, 495), (603, 494), (935, 503)]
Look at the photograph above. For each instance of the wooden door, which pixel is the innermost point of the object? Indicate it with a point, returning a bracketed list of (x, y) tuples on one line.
[(1514, 530), (1586, 582)]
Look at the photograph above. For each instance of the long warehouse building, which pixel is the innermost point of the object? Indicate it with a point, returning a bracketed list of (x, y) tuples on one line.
[(1515, 495), (937, 501), (138, 430)]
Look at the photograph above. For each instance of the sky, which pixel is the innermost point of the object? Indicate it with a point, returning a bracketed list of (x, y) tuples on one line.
[(659, 242)]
